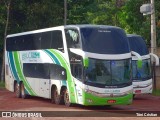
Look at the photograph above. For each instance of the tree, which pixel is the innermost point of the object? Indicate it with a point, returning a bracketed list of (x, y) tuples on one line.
[(133, 21), (77, 10), (157, 10), (7, 5)]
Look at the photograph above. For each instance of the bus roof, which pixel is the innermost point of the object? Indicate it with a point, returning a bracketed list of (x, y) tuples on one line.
[(58, 28), (36, 31), (137, 44), (91, 25)]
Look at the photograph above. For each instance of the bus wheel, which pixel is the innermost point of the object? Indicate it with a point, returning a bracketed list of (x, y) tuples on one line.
[(23, 94), (17, 90), (55, 97), (66, 98)]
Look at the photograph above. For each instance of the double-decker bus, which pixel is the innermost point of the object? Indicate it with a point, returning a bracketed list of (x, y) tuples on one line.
[(82, 64), (142, 76)]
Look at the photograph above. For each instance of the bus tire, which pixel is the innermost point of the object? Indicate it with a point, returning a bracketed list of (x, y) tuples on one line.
[(66, 98), (17, 90), (55, 97), (23, 94)]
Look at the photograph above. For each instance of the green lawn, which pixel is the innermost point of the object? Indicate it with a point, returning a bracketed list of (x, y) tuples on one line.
[(2, 84), (156, 92)]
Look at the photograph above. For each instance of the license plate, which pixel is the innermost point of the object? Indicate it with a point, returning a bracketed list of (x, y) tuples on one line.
[(111, 101), (138, 91)]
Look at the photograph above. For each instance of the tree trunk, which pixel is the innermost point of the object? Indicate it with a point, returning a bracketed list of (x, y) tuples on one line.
[(5, 34)]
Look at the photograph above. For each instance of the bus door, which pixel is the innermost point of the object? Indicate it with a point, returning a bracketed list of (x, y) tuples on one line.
[(76, 69), (44, 80)]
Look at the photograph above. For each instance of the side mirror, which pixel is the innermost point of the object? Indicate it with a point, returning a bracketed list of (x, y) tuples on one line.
[(86, 62), (139, 62), (156, 59)]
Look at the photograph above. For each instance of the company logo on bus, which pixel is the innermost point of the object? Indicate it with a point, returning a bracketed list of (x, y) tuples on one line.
[(30, 55), (111, 101)]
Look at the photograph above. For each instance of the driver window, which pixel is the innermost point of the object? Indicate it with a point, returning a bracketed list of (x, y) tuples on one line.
[(72, 38), (76, 70)]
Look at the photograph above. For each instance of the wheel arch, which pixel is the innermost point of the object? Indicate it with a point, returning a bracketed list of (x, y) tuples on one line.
[(14, 86), (62, 89)]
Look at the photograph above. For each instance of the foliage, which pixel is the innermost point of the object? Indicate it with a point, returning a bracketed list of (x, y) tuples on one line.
[(156, 92), (157, 6), (133, 21), (35, 14), (28, 15)]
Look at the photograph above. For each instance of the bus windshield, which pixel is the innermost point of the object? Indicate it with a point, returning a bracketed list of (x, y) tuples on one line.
[(137, 44), (108, 72), (104, 40), (141, 73)]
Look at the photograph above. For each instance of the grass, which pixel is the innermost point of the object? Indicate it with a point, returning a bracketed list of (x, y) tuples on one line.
[(2, 84), (156, 92)]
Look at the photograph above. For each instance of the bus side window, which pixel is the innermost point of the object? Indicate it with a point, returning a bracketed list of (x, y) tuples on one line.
[(28, 42), (46, 40), (76, 70), (8, 44), (76, 65), (57, 72), (19, 43), (36, 41), (72, 38), (36, 70), (11, 44), (57, 40)]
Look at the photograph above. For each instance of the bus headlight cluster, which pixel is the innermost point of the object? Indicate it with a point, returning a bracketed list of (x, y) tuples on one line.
[(142, 86), (92, 92)]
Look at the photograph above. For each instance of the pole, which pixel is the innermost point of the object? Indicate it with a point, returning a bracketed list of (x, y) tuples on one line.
[(153, 40), (65, 12), (153, 29)]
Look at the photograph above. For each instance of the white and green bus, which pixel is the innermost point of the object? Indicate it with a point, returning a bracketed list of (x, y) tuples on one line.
[(142, 77), (82, 64)]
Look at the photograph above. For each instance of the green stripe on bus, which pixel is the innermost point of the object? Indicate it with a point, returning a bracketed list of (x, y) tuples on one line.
[(73, 95), (21, 75)]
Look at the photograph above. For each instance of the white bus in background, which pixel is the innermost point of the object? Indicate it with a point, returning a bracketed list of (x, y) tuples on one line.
[(82, 64), (141, 76)]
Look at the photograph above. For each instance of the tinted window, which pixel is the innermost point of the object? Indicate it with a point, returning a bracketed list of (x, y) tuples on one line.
[(45, 40), (76, 65), (25, 42), (30, 43), (11, 44), (18, 43), (45, 71), (57, 72), (138, 45), (104, 40), (8, 44), (143, 73), (104, 73), (57, 40), (72, 38), (36, 70)]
